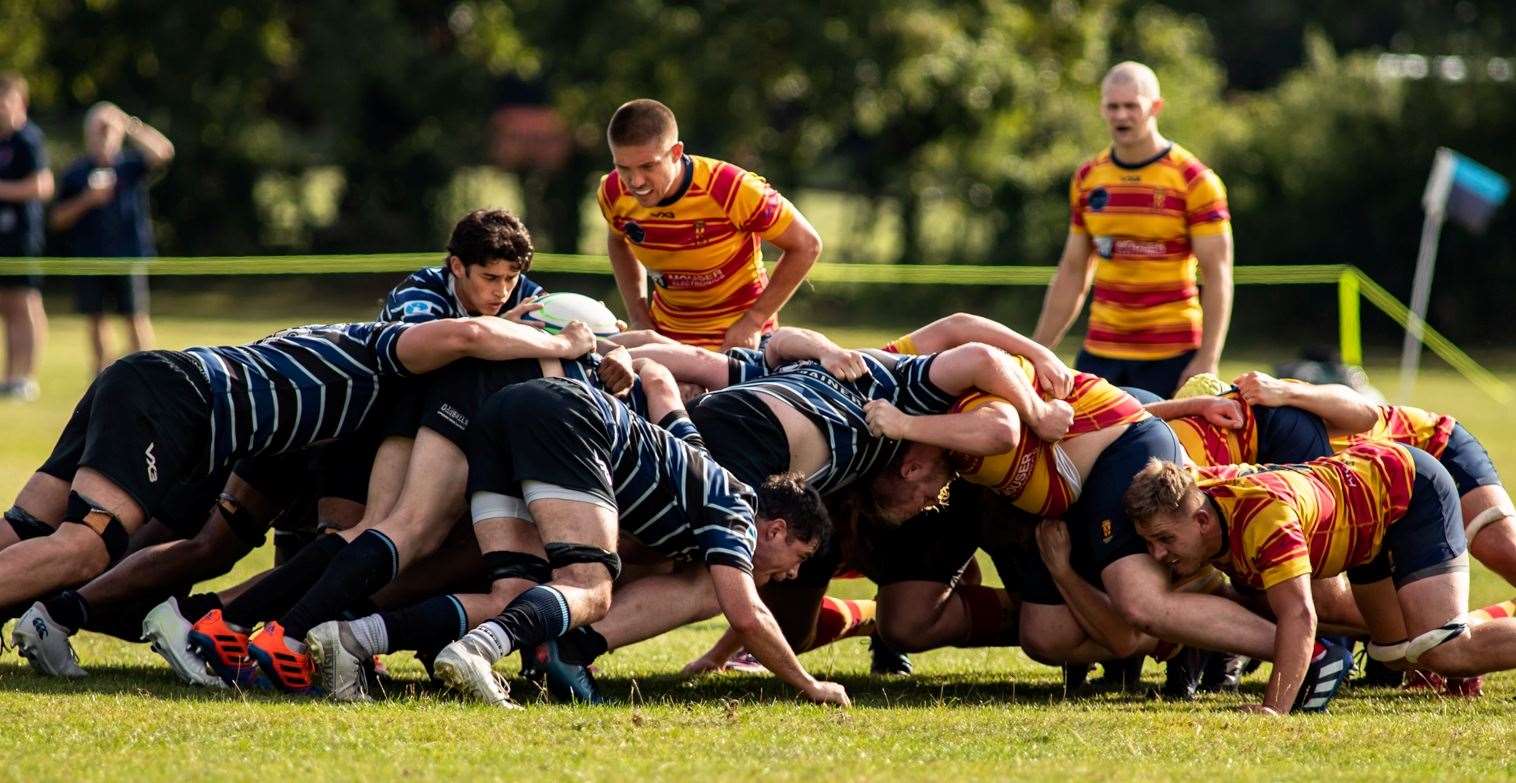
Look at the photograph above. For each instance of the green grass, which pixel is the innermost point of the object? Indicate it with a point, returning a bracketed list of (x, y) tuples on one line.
[(967, 713)]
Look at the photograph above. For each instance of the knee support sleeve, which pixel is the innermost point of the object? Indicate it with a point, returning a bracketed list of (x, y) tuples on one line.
[(25, 525), (1434, 638), (1486, 517), (493, 505), (517, 565), (562, 555), (243, 524), (83, 511)]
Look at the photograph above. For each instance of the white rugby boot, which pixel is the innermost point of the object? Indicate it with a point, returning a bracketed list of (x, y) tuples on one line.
[(339, 663), (44, 644), (166, 629), (464, 667)]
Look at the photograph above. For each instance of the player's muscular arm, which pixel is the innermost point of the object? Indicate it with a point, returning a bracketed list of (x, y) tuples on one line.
[(631, 281), (791, 343), (1214, 252), (1217, 410), (1066, 292), (1344, 411), (959, 328), (1092, 609), (988, 429), (800, 246), (426, 347), (39, 185), (991, 370), (687, 363), (660, 387), (759, 632), (1294, 639)]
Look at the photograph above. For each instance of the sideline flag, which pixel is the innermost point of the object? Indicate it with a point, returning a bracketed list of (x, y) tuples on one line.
[(1464, 190)]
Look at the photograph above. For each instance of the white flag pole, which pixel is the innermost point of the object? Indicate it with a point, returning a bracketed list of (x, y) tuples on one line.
[(1434, 201)]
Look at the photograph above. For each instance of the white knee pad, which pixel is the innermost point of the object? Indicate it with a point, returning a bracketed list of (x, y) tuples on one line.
[(1488, 516), (493, 505), (1387, 653), (1436, 637)]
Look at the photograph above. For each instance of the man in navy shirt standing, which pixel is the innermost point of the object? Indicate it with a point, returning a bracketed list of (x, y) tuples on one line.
[(25, 182), (103, 213)]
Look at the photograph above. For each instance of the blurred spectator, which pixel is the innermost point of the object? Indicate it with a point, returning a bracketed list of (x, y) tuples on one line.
[(25, 182), (102, 212)]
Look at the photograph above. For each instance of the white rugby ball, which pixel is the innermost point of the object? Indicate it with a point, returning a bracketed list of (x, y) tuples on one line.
[(558, 309)]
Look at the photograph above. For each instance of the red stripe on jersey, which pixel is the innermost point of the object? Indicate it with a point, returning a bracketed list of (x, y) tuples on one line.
[(611, 187), (1209, 216), (767, 215), (1193, 169), (1139, 199), (723, 184), (1145, 335), (1144, 299)]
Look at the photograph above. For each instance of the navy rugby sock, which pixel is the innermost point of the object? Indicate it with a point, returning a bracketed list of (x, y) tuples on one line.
[(582, 646), (537, 615), (68, 609), (367, 564), (195, 606), (276, 592), (429, 625)]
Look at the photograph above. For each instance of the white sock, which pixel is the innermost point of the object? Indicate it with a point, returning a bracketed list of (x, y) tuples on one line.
[(491, 640), (372, 636)]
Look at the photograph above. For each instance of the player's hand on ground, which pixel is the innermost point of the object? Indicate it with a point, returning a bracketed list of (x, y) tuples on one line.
[(1053, 376), (828, 693), (1259, 709), (1222, 412), (1053, 420), (1261, 389), (519, 312), (578, 338), (703, 665), (1053, 543), (616, 371), (845, 364), (743, 334), (885, 420)]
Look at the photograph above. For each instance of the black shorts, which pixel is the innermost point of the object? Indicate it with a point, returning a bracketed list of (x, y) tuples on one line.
[(454, 393), (547, 430), (20, 281), (144, 424), (1159, 376), (1468, 462), (1288, 435), (128, 294), (937, 545), (343, 466), (1428, 537), (400, 407), (743, 435), (187, 506), (1098, 526)]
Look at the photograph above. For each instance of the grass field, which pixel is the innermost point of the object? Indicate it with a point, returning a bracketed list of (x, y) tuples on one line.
[(975, 714)]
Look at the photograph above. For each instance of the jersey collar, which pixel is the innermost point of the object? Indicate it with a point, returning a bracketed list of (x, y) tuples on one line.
[(1224, 552), (684, 182), (1141, 164)]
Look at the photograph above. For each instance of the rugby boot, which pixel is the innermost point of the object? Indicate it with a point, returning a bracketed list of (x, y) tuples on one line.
[(566, 681), (1330, 666), (464, 667), (44, 644), (1076, 678), (745, 662), (1123, 674), (1222, 672), (1465, 687), (224, 649), (167, 631), (886, 660), (1378, 675), (342, 669), (1182, 674), (1424, 680), (285, 668)]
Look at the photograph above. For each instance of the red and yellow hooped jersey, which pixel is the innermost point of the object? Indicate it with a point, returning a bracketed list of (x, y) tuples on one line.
[(1423, 429), (1141, 219), (703, 250), (1037, 476), (1319, 517), (1210, 444)]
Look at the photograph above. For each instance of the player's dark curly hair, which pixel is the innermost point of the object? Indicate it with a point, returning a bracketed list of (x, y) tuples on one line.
[(788, 497), (640, 121), (487, 235)]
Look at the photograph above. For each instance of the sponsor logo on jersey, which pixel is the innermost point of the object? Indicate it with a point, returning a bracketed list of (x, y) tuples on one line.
[(417, 308), (1099, 198), (634, 232)]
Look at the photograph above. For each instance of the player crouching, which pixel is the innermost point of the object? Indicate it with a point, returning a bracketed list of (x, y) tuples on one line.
[(1386, 514)]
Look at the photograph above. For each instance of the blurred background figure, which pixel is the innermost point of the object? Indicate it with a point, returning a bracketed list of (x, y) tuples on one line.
[(102, 212), (25, 182)]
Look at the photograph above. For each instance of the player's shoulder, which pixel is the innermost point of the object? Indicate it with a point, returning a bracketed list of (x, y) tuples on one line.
[(716, 178), (1189, 166), (1090, 164), (30, 135), (611, 188)]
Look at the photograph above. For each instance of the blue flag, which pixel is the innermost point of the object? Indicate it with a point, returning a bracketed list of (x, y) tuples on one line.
[(1464, 190)]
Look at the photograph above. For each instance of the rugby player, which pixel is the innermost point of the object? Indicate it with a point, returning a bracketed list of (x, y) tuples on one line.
[(1144, 213), (488, 256), (697, 225), (1384, 513)]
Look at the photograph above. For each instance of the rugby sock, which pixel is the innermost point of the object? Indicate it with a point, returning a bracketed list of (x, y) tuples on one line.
[(429, 625), (68, 609), (278, 590), (840, 618), (537, 615), (361, 568), (370, 634), (993, 615), (582, 646), (194, 607), (1498, 611)]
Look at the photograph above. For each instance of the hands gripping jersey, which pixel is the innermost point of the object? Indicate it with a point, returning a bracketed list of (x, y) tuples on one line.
[(1141, 218), (702, 246), (1038, 476), (428, 294), (1212, 444), (1425, 430), (297, 386), (1319, 518)]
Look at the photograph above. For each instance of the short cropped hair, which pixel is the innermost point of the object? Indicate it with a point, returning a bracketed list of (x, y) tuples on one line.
[(641, 121), (487, 235), (1159, 489), (13, 80), (787, 496), (1134, 73)]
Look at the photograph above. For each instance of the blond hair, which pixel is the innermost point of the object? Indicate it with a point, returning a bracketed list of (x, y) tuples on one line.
[(1133, 73), (1160, 489)]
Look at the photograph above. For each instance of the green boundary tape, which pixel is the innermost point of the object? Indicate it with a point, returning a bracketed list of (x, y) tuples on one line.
[(1351, 283)]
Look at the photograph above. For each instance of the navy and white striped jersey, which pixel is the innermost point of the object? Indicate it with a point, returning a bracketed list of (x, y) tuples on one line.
[(428, 294), (296, 387), (836, 407), (671, 495), (745, 364)]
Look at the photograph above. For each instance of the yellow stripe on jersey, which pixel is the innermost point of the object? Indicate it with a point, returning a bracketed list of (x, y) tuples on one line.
[(703, 251), (1404, 424), (1141, 219)]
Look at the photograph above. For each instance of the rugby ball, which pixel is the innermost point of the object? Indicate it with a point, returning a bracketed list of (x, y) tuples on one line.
[(558, 309)]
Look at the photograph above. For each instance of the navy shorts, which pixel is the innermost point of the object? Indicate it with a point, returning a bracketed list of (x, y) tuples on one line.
[(1159, 376), (1289, 435), (1425, 541), (20, 281), (128, 294), (1468, 462), (545, 430), (1142, 395)]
